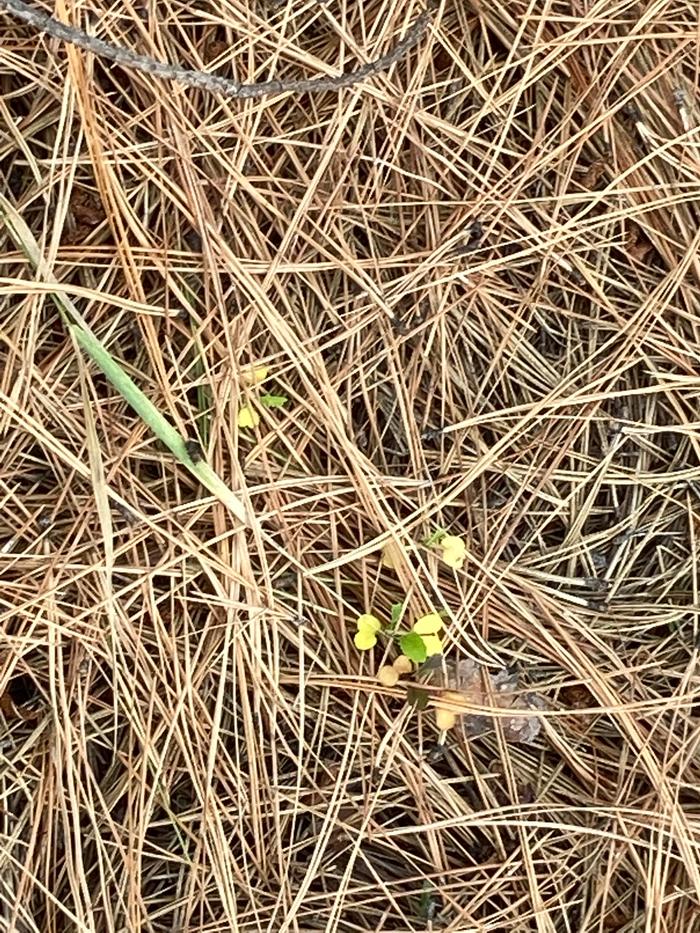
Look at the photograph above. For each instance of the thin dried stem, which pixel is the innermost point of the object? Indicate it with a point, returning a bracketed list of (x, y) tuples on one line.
[(201, 79)]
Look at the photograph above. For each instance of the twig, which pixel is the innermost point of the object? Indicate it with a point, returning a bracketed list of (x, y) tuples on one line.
[(200, 79)]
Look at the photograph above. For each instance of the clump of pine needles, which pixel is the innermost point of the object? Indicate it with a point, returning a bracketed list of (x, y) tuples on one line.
[(474, 279)]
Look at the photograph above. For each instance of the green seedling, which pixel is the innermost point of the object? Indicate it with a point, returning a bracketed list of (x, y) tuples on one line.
[(115, 372), (273, 401)]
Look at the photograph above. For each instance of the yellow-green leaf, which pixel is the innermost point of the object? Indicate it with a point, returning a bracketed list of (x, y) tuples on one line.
[(369, 622), (273, 401), (254, 375), (453, 543), (413, 646), (365, 639), (433, 645), (428, 625), (248, 417)]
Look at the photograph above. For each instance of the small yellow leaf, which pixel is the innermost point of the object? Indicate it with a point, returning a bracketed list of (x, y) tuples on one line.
[(391, 556), (254, 375), (365, 639), (388, 676), (453, 558), (403, 665), (248, 417), (368, 622), (454, 551), (433, 644), (428, 625)]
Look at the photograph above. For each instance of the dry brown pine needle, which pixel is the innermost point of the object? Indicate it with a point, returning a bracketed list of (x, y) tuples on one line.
[(474, 281)]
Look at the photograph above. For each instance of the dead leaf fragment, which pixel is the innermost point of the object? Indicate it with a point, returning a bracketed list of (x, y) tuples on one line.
[(476, 686)]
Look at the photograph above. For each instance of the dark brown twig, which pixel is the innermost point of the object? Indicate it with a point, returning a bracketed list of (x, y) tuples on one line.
[(200, 79)]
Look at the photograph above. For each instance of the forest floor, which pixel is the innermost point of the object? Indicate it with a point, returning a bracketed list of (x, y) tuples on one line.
[(459, 298)]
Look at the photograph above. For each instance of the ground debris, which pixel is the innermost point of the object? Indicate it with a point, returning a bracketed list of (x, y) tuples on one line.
[(480, 687)]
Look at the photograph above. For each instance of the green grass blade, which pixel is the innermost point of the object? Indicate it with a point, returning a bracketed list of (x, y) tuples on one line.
[(120, 379)]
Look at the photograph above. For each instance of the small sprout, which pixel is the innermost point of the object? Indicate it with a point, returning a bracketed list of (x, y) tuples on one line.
[(248, 417), (388, 676), (454, 551), (254, 375), (413, 646), (273, 401), (434, 538), (366, 635), (403, 665), (396, 613)]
